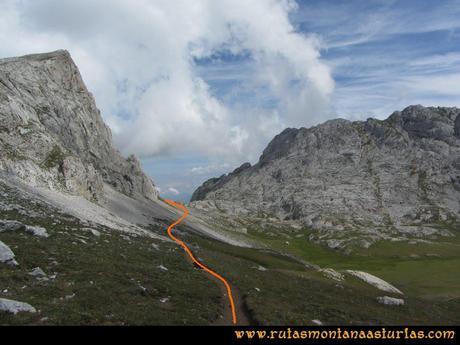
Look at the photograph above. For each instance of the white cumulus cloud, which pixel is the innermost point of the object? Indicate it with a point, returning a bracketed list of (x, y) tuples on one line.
[(173, 190)]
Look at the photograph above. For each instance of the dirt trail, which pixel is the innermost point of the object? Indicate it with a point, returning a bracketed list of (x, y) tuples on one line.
[(227, 290)]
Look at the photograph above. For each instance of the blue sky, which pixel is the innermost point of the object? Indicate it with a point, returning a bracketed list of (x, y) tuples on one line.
[(387, 52), (196, 88)]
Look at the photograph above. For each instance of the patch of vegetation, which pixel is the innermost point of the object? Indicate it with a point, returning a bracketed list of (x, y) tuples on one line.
[(42, 110), (54, 158), (11, 152), (425, 271), (297, 295)]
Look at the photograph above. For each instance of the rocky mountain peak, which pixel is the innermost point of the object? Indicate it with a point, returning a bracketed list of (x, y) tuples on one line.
[(427, 122), (279, 146), (53, 134)]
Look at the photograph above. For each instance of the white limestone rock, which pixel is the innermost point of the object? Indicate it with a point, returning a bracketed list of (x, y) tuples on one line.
[(37, 231), (14, 307), (7, 255), (375, 281), (390, 300)]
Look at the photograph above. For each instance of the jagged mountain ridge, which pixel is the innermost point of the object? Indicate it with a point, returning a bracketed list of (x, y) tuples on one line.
[(52, 133), (375, 178)]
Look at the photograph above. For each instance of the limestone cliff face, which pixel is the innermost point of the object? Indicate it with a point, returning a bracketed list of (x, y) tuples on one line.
[(371, 178), (51, 132)]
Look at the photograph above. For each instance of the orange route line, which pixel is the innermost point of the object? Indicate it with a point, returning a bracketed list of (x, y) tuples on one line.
[(189, 252)]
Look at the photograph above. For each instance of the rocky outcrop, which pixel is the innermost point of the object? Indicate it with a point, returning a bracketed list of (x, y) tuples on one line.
[(52, 134), (14, 307), (12, 225), (375, 281), (390, 300), (353, 180), (6, 255)]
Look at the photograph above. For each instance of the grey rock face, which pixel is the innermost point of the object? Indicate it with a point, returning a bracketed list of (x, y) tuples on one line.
[(457, 126), (52, 134), (373, 179)]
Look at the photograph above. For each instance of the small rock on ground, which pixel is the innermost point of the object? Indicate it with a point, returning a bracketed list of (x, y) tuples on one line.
[(37, 231), (7, 255), (390, 300), (12, 225), (15, 307), (37, 272)]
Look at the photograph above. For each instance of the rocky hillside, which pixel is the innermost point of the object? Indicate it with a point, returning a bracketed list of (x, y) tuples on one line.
[(52, 134), (373, 179)]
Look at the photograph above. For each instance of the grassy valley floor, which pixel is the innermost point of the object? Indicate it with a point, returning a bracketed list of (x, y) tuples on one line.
[(124, 279)]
